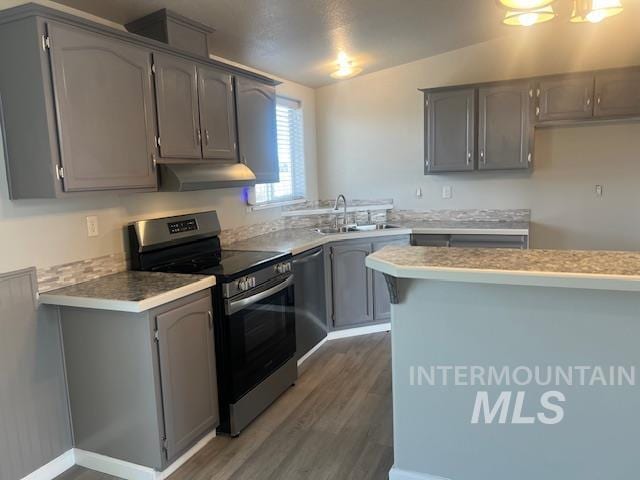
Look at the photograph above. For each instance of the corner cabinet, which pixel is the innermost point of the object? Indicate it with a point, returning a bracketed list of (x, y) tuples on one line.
[(153, 374), (617, 94), (356, 295), (257, 133), (450, 131)]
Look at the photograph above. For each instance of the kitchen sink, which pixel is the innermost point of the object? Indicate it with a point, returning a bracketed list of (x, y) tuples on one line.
[(354, 228), (368, 228)]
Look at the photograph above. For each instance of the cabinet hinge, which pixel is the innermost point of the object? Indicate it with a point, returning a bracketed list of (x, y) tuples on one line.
[(46, 42), (158, 140), (165, 444), (59, 172), (153, 68)]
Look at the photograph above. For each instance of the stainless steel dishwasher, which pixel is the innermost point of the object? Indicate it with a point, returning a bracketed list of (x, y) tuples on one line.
[(310, 303)]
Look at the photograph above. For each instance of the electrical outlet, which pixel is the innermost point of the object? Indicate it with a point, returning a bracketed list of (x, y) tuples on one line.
[(446, 191), (92, 226), (598, 190), (418, 192)]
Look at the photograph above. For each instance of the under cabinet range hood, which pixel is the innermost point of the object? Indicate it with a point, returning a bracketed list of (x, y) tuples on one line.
[(186, 177)]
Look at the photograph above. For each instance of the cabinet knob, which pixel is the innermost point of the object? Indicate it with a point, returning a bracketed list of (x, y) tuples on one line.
[(589, 101), (598, 100), (537, 111), (206, 136), (468, 158), (484, 160), (154, 161), (199, 135)]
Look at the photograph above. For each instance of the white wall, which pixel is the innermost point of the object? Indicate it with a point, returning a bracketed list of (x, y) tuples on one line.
[(370, 132), (43, 233)]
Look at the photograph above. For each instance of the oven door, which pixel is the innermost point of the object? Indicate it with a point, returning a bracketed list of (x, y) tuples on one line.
[(261, 335)]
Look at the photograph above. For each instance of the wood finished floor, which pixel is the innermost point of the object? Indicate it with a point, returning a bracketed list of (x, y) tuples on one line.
[(335, 424)]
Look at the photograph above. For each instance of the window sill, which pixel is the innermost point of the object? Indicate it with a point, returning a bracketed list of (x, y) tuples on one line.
[(268, 205)]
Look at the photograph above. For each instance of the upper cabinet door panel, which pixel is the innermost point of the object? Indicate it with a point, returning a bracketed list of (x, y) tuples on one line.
[(450, 131), (257, 128), (217, 114), (177, 100), (505, 131), (104, 101), (566, 98), (617, 93)]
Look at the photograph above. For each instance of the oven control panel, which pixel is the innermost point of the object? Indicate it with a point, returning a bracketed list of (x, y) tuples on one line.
[(284, 267)]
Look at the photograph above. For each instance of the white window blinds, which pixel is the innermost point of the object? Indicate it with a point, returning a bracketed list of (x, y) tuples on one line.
[(290, 156)]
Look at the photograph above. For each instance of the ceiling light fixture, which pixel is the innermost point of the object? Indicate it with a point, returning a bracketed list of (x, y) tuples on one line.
[(594, 11), (525, 4), (526, 18), (346, 68)]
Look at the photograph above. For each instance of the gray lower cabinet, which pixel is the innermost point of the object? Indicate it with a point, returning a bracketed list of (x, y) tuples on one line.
[(310, 300), (257, 132), (356, 295), (352, 284), (142, 386), (565, 98), (381, 300), (617, 93), (217, 114), (505, 129), (450, 130), (176, 82)]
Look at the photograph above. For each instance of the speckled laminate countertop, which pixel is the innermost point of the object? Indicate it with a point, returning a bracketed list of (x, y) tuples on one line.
[(604, 270), (298, 240), (128, 291)]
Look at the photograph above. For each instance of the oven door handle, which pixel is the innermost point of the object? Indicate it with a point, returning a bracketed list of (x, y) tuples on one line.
[(237, 305)]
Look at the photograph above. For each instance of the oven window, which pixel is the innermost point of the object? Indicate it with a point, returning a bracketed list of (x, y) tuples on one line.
[(262, 338)]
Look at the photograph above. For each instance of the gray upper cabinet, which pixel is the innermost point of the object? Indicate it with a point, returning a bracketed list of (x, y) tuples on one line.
[(381, 300), (257, 133), (188, 374), (505, 130), (104, 104), (565, 98), (217, 114), (450, 131), (352, 284), (617, 93), (177, 105)]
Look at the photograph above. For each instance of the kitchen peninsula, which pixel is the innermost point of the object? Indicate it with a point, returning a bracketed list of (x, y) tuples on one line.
[(460, 313)]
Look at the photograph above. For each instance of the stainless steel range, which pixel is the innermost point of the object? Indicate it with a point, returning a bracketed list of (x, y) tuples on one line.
[(253, 304)]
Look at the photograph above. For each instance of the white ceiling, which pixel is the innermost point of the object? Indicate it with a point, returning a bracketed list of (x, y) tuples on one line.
[(299, 39)]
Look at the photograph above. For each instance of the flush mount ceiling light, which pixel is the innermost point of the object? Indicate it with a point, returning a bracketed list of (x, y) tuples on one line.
[(525, 4), (526, 18), (594, 11), (346, 68)]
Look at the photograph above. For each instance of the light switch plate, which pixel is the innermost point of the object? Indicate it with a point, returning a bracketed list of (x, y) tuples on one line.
[(92, 226), (446, 191), (598, 190)]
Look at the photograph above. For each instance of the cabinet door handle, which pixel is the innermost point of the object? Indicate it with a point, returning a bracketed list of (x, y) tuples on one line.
[(537, 111), (199, 135), (589, 101), (482, 157), (598, 100), (468, 158), (206, 136), (154, 161)]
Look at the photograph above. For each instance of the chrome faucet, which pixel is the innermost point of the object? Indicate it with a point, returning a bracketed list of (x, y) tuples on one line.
[(335, 207)]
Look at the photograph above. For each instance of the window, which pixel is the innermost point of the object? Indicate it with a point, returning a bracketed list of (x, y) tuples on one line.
[(290, 156)]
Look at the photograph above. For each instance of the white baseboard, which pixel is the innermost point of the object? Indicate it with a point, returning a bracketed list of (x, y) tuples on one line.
[(397, 474), (113, 466), (132, 471), (354, 332), (54, 468), (186, 456)]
